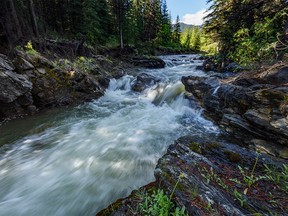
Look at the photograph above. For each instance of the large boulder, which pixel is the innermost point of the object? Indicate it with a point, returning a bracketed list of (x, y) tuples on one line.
[(277, 77), (12, 86), (209, 65), (15, 94), (144, 81)]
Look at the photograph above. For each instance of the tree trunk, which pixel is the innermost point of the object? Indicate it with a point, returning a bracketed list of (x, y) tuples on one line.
[(33, 18), (11, 23), (121, 35)]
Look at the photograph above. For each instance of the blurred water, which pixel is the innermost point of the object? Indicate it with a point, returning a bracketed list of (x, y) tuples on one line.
[(78, 161)]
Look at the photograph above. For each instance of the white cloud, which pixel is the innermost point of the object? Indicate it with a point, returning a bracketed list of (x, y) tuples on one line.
[(194, 19)]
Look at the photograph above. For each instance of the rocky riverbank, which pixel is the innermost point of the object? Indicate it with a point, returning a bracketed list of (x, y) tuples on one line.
[(30, 82), (211, 178), (251, 106)]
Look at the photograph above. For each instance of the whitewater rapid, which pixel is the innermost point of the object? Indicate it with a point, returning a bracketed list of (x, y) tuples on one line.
[(78, 161)]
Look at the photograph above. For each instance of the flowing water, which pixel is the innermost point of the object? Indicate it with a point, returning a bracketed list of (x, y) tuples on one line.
[(78, 161)]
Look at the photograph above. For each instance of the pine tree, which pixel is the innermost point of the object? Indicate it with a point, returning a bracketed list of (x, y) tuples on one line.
[(120, 9), (177, 31)]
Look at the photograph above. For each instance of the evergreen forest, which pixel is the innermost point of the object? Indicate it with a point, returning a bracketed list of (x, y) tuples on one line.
[(240, 30)]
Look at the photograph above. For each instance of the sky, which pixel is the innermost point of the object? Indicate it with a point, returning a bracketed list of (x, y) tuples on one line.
[(189, 11)]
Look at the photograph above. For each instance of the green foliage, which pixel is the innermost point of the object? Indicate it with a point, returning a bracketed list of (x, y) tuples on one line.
[(191, 38), (96, 21), (86, 65), (194, 146), (156, 204), (278, 176), (208, 175), (246, 31), (179, 178), (250, 179), (212, 176), (159, 204), (99, 22), (29, 46), (177, 31), (29, 49), (240, 198)]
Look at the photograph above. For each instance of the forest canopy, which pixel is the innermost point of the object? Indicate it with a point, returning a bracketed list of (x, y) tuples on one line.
[(95, 21), (240, 30)]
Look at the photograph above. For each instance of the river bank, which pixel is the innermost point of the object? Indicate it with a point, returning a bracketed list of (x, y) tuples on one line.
[(31, 82), (220, 178), (101, 150)]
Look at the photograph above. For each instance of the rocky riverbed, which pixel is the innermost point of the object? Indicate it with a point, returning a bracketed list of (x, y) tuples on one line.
[(219, 178), (204, 176)]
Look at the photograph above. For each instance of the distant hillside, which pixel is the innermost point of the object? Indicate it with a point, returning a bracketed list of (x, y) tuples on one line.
[(183, 26)]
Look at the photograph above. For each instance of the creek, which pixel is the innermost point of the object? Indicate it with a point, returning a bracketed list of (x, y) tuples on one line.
[(76, 161)]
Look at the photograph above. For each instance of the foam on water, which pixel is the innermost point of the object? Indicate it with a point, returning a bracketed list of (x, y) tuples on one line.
[(80, 160)]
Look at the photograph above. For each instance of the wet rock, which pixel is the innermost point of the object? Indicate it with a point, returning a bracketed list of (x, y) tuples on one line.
[(12, 86), (209, 65), (246, 82), (41, 70), (207, 175), (36, 59), (22, 64), (39, 83), (199, 67), (32, 109), (278, 77), (15, 94), (144, 81), (246, 107), (118, 72), (233, 67), (148, 62), (199, 58), (5, 63)]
